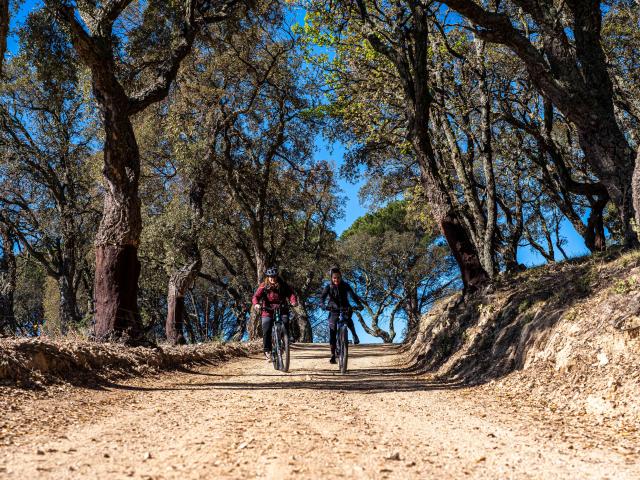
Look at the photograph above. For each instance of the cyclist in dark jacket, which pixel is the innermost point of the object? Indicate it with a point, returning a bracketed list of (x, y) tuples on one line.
[(335, 296), (271, 294)]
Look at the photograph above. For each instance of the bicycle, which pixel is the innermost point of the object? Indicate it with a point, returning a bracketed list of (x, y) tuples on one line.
[(342, 340), (279, 342)]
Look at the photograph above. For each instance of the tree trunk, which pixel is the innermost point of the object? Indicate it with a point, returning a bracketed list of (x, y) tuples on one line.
[(607, 151), (594, 236), (464, 251), (487, 250), (4, 30), (179, 282), (636, 192), (255, 323), (175, 318), (305, 334), (412, 310), (7, 285), (68, 303), (471, 271), (118, 236)]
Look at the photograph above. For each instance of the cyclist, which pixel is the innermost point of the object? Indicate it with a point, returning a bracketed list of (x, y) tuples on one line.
[(272, 293), (335, 297)]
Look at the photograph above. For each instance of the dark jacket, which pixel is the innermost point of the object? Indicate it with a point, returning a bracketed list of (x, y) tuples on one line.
[(269, 297), (336, 297)]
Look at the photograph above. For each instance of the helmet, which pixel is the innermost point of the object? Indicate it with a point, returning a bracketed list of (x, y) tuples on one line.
[(271, 272)]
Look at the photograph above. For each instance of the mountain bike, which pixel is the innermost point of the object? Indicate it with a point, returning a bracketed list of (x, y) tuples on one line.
[(279, 342), (342, 340)]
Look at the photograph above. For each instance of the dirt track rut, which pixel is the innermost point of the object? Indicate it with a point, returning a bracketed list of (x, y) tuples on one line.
[(245, 420)]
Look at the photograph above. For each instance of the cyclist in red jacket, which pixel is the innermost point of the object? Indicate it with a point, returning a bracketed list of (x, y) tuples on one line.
[(273, 293)]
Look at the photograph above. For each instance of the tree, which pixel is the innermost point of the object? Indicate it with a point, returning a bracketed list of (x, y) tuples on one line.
[(396, 265), (561, 48), (47, 191), (399, 34), (128, 74), (242, 118)]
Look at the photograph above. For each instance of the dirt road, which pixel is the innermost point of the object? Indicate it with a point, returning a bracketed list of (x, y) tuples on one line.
[(244, 420)]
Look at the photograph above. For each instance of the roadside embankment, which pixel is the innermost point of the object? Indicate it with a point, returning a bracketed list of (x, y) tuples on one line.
[(34, 363), (565, 334)]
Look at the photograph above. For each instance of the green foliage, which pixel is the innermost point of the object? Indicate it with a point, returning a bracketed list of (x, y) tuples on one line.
[(392, 217)]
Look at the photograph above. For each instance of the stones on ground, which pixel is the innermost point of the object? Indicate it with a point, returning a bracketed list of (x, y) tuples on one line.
[(394, 456)]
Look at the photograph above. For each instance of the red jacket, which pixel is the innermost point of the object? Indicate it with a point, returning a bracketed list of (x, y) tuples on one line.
[(269, 297)]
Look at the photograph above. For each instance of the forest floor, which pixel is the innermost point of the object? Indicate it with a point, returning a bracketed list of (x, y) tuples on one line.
[(242, 419)]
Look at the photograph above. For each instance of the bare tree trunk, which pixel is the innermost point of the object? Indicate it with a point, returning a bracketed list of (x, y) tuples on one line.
[(7, 284), (206, 317), (412, 309), (241, 324), (175, 318), (610, 145)]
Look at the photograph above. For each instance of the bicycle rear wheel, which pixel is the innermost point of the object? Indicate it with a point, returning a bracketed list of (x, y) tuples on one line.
[(343, 356)]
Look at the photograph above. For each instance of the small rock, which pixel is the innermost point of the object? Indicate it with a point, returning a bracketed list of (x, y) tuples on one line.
[(602, 359), (39, 452), (481, 459), (395, 456), (106, 455), (147, 456)]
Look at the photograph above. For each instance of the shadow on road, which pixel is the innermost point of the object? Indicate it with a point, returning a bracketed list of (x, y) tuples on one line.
[(361, 380)]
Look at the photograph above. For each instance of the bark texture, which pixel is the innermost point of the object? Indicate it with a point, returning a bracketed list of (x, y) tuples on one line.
[(116, 292), (303, 332)]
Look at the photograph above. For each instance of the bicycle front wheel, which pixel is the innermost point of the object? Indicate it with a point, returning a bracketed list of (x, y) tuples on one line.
[(343, 357), (284, 349), (275, 347)]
